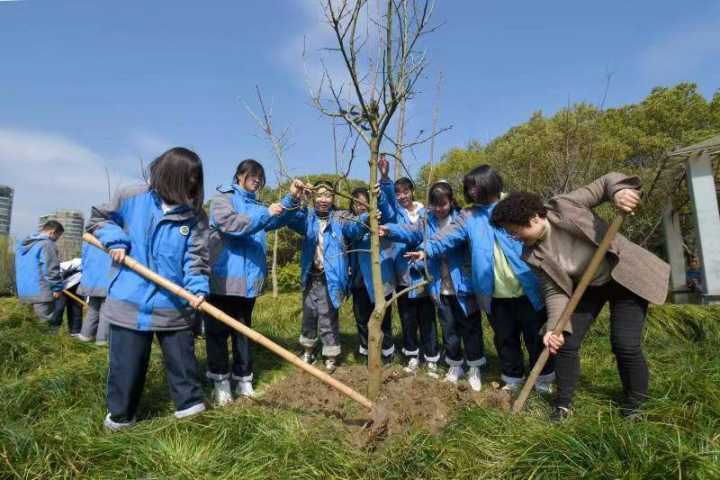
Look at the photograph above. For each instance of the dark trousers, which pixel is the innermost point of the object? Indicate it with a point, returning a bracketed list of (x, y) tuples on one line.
[(362, 309), (514, 321), (129, 358), (460, 329), (418, 314), (74, 311), (627, 319), (216, 339)]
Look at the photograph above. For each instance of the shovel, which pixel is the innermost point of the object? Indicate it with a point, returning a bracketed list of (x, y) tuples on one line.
[(76, 298), (570, 308), (378, 416)]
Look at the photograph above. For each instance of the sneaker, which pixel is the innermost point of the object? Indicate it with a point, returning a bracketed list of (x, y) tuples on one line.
[(475, 379), (190, 411), (412, 365), (114, 426), (221, 393), (101, 343), (245, 389), (512, 387), (543, 388), (432, 370), (74, 335), (83, 338), (308, 357), (454, 374), (330, 364), (559, 414)]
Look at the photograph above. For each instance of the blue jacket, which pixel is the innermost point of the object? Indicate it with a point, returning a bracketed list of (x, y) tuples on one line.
[(340, 228), (96, 266), (238, 252), (408, 274), (37, 269), (172, 244), (473, 228), (457, 258), (360, 259)]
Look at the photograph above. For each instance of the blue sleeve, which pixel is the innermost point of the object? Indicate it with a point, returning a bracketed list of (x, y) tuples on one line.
[(387, 203), (107, 222), (297, 215), (355, 228), (407, 233), (279, 221), (452, 236), (234, 224)]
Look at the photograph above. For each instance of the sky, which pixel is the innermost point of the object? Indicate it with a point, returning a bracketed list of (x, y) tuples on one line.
[(94, 89)]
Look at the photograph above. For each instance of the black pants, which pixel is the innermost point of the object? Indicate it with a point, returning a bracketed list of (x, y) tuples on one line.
[(74, 311), (460, 329), (514, 320), (362, 309), (418, 314), (129, 358), (216, 339), (627, 319)]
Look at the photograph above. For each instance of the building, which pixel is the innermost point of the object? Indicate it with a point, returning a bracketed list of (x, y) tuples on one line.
[(6, 202), (70, 243)]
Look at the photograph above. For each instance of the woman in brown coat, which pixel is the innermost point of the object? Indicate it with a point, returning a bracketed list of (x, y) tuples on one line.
[(560, 238)]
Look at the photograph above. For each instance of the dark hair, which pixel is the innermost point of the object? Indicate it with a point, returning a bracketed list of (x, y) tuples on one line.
[(177, 176), (442, 190), (326, 184), (250, 167), (356, 193), (481, 184), (53, 226), (405, 182), (517, 209)]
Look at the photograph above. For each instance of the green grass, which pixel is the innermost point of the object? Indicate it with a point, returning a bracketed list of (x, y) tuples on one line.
[(52, 405)]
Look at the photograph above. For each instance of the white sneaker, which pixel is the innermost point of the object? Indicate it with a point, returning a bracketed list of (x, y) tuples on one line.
[(543, 387), (308, 357), (454, 374), (330, 364), (83, 338), (512, 387), (222, 394), (475, 379), (114, 426), (412, 365), (432, 370), (245, 389)]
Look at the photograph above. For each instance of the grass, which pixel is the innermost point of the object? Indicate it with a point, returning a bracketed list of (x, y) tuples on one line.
[(52, 405)]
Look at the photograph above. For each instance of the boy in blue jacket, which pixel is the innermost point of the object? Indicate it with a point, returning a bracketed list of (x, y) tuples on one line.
[(93, 284), (37, 269)]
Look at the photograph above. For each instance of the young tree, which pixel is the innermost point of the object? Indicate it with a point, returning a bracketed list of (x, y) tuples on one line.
[(383, 70)]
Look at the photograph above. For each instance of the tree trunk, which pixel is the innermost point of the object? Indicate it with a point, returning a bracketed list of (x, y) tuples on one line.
[(273, 271), (375, 335)]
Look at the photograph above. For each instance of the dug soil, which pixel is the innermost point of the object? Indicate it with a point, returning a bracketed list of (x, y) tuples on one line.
[(411, 401)]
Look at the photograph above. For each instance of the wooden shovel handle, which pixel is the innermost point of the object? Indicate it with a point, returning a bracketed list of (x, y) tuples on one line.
[(75, 297), (567, 312), (253, 335)]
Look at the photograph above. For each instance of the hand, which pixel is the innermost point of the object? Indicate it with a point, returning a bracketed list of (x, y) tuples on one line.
[(275, 209), (383, 167), (382, 231), (415, 256), (627, 199), (57, 295), (197, 301), (296, 188), (376, 189), (117, 254), (553, 342)]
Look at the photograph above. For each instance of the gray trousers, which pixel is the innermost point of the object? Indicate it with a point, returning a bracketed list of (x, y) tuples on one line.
[(51, 312), (320, 316), (94, 325)]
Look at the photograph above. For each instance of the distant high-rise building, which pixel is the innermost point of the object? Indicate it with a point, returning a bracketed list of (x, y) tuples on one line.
[(70, 243), (6, 202)]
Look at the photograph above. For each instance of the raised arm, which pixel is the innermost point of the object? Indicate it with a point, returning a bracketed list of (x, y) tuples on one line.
[(107, 221), (601, 190), (239, 224)]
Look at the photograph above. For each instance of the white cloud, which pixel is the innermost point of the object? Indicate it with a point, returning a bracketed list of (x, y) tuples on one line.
[(51, 172), (682, 54)]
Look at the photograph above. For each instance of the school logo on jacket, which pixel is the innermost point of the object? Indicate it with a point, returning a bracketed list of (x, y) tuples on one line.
[(185, 230)]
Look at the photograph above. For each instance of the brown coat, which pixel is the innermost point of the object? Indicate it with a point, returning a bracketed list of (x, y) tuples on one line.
[(632, 266)]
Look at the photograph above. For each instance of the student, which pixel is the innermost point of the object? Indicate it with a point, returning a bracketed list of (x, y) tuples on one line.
[(451, 286), (505, 284), (163, 226), (71, 271), (361, 285), (416, 309), (561, 238), (94, 282), (37, 269), (238, 267), (324, 266)]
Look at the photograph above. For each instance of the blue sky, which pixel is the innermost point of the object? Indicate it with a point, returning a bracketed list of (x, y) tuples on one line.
[(86, 85)]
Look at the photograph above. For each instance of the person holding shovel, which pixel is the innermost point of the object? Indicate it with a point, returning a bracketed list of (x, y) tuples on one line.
[(162, 225), (560, 238)]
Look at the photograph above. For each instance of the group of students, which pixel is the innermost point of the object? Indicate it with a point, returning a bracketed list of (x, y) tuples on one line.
[(513, 257)]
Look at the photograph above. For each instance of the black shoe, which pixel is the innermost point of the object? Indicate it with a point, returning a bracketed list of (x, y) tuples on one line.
[(559, 414)]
